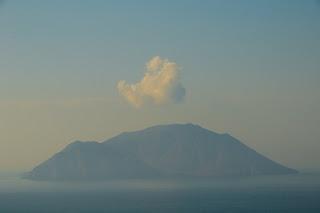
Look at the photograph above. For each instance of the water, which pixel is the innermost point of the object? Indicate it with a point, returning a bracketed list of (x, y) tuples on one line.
[(288, 193)]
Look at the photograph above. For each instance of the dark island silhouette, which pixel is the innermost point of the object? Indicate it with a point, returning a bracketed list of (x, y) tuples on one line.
[(176, 150)]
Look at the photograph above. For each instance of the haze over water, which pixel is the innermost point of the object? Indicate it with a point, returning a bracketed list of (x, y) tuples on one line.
[(288, 193)]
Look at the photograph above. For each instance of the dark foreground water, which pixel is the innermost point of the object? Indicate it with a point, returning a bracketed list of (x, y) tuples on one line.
[(291, 193)]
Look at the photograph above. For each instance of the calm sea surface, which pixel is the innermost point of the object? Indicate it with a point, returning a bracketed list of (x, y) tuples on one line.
[(288, 193)]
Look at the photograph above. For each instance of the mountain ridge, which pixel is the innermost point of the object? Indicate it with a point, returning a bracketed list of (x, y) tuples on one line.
[(158, 151)]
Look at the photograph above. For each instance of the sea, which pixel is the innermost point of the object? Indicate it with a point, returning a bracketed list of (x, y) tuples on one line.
[(285, 193)]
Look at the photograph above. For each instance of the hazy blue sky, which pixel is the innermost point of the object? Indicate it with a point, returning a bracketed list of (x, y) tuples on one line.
[(250, 68)]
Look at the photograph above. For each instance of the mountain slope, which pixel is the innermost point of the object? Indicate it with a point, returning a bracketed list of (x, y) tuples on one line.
[(159, 151)]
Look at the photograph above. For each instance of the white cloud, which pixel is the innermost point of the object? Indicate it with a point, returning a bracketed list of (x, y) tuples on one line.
[(159, 85)]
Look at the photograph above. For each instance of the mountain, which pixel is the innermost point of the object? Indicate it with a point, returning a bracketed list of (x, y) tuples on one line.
[(176, 150)]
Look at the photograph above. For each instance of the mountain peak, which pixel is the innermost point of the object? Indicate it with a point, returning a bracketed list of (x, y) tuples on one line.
[(177, 127)]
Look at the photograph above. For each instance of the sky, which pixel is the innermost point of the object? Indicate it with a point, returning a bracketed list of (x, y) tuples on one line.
[(249, 68)]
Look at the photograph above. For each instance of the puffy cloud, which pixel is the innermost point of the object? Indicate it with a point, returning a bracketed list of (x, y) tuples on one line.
[(159, 85)]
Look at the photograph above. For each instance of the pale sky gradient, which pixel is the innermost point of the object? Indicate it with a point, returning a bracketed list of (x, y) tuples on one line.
[(250, 68)]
